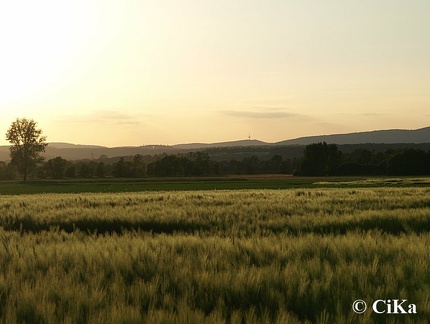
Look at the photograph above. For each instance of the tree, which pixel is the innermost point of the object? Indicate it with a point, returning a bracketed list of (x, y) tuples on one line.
[(57, 167), (70, 172), (139, 167), (121, 169), (87, 169), (7, 171), (27, 144), (321, 159), (101, 170), (409, 162)]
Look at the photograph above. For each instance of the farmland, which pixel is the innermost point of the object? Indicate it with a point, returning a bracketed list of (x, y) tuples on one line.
[(280, 181), (302, 254)]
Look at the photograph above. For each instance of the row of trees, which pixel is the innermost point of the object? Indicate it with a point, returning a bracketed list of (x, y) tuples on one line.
[(190, 164), (324, 159), (27, 143), (320, 159), (255, 165)]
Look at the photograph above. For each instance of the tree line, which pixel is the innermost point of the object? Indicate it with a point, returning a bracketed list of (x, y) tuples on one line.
[(193, 164), (322, 159), (319, 159)]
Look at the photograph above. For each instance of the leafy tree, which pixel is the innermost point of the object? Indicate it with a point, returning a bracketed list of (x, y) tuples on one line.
[(201, 163), (101, 170), (86, 170), (321, 159), (287, 166), (7, 171), (71, 172), (274, 165), (364, 156), (139, 167), (409, 162), (57, 167), (122, 169), (27, 144), (136, 168), (251, 164)]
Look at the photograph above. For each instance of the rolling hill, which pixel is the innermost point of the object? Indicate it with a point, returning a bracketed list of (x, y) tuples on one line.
[(77, 152), (193, 146), (391, 136)]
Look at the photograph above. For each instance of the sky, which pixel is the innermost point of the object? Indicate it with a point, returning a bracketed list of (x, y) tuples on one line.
[(129, 72)]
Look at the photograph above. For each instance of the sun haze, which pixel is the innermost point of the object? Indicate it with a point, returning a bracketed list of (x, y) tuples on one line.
[(163, 72)]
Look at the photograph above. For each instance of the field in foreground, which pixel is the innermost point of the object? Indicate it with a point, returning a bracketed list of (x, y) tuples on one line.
[(250, 256), (257, 182)]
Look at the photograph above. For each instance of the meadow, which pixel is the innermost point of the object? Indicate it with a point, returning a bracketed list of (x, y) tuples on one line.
[(277, 181), (215, 256), (113, 185)]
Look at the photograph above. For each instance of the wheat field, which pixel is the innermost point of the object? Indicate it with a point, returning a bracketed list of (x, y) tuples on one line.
[(240, 256)]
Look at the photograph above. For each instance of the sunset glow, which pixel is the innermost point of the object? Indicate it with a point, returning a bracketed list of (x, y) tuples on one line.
[(165, 72)]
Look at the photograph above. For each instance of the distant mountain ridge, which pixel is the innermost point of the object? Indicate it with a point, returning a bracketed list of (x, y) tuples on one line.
[(61, 145), (78, 152), (391, 136), (221, 144)]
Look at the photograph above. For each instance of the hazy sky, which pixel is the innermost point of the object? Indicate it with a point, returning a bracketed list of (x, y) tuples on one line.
[(129, 72)]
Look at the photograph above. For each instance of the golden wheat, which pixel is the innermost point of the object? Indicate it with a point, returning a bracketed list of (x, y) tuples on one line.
[(214, 256)]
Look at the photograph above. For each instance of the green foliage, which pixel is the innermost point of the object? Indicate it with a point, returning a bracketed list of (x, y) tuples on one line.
[(320, 159), (409, 162), (255, 165), (111, 185), (266, 256), (130, 169), (101, 170), (70, 172), (27, 144), (56, 168), (191, 164), (7, 171), (86, 170)]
